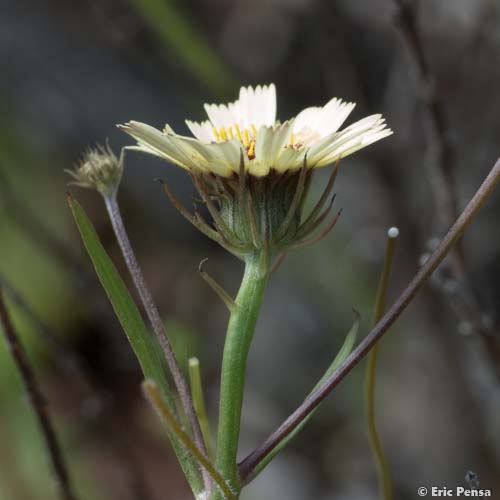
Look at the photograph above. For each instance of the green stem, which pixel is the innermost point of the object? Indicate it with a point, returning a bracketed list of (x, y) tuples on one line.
[(384, 473), (238, 339)]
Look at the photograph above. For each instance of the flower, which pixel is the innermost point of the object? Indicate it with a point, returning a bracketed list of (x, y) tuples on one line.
[(253, 172), (249, 124), (99, 169)]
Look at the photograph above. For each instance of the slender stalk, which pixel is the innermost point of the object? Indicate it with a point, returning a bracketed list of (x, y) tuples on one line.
[(38, 405), (238, 339), (422, 276), (199, 400), (154, 396), (384, 473), (157, 324)]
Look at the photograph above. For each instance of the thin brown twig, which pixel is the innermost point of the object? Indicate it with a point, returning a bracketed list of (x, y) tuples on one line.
[(38, 404), (441, 162), (422, 276), (71, 362), (442, 158), (441, 165)]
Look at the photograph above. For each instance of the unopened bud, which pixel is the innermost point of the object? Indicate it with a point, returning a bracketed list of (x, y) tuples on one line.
[(99, 169)]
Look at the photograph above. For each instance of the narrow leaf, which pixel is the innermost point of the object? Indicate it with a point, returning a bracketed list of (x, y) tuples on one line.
[(199, 401), (344, 351), (166, 416), (144, 345)]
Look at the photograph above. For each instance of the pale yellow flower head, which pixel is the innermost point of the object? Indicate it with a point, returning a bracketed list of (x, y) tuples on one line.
[(253, 172), (249, 125)]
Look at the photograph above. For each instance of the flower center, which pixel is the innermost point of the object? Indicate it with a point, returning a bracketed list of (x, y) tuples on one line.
[(247, 136)]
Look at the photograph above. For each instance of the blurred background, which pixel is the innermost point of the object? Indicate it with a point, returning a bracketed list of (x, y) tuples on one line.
[(70, 71)]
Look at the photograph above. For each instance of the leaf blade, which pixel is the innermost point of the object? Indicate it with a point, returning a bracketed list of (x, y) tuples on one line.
[(342, 354), (143, 343)]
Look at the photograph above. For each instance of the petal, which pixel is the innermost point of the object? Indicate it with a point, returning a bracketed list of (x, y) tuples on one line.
[(328, 144), (290, 159), (222, 115), (202, 131), (155, 142), (353, 138), (257, 106), (187, 152), (220, 158), (254, 107), (352, 147), (323, 120), (270, 142), (306, 119), (225, 157), (333, 115)]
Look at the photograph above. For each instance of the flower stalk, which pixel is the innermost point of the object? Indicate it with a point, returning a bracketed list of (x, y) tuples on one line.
[(384, 473), (153, 314), (237, 345)]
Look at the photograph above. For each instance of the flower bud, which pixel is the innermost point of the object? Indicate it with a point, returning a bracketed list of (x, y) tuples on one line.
[(99, 169)]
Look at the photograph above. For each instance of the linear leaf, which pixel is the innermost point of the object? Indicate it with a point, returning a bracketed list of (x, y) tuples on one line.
[(344, 351), (143, 343)]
